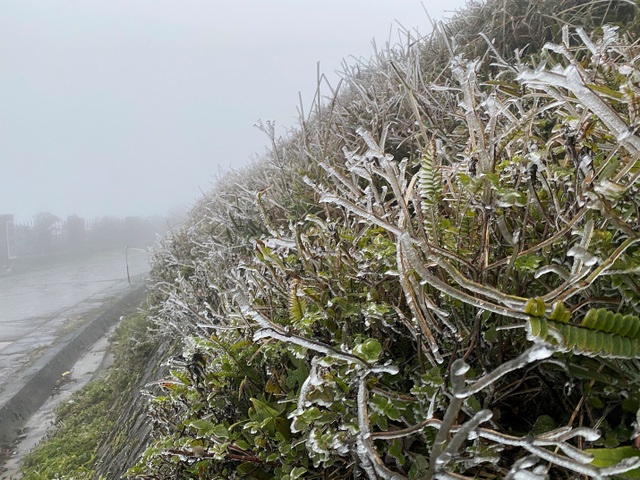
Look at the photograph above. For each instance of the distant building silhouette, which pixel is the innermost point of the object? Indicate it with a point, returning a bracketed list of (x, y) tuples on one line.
[(7, 240)]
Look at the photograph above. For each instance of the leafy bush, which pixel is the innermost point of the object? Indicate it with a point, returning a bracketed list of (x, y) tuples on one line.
[(397, 290)]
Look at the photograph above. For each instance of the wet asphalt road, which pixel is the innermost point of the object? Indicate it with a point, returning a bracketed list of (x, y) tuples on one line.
[(39, 306)]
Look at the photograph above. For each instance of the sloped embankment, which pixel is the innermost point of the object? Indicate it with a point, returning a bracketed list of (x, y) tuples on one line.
[(122, 447), (405, 286)]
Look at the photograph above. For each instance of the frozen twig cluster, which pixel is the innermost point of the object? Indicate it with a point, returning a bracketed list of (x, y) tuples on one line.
[(378, 276)]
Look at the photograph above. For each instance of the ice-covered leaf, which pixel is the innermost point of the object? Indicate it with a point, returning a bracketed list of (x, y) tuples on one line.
[(207, 428), (607, 457), (369, 350)]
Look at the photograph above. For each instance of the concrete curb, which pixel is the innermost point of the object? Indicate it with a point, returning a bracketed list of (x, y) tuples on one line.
[(41, 379)]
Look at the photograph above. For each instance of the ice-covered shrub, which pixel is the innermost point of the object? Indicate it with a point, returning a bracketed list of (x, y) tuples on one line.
[(434, 277)]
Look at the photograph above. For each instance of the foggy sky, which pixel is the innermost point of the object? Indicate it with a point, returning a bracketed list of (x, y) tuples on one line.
[(134, 107)]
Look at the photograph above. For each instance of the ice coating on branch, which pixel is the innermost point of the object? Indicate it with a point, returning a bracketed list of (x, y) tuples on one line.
[(304, 391), (459, 368), (609, 35), (557, 269), (280, 243), (534, 353), (375, 150), (538, 352), (570, 79), (581, 253)]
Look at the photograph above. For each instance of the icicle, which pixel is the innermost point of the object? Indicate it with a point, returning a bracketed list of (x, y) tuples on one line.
[(370, 217), (588, 43), (375, 150), (519, 467), (582, 254)]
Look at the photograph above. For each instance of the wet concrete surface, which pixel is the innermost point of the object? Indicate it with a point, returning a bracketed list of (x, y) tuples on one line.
[(38, 307), (47, 319)]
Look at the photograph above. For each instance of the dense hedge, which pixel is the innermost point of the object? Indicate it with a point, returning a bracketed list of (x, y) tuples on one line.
[(398, 289)]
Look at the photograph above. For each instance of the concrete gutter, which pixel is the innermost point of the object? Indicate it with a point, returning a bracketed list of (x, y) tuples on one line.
[(25, 396)]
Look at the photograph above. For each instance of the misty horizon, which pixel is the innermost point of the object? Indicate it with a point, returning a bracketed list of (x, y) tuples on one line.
[(135, 109)]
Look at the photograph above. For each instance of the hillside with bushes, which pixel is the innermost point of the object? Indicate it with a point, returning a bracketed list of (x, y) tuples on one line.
[(433, 276)]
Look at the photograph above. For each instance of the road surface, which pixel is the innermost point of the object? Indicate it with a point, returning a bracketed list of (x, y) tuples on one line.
[(38, 307)]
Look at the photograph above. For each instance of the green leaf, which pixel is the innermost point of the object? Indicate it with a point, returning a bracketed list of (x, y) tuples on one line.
[(473, 403), (243, 445), (493, 178), (512, 199), (395, 450), (560, 313), (490, 335), (544, 423), (369, 350), (596, 402), (534, 306), (419, 467), (206, 428), (606, 457), (263, 411), (464, 179), (305, 419), (607, 92), (299, 375), (297, 472), (297, 305), (592, 338), (385, 406)]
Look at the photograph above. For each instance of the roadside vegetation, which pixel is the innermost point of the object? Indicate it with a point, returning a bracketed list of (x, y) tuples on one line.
[(85, 421), (434, 276)]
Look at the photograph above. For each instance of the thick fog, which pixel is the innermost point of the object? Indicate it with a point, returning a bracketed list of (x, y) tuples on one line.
[(132, 108)]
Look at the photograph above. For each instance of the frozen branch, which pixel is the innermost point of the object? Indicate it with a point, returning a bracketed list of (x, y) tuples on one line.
[(571, 80), (536, 352), (271, 330)]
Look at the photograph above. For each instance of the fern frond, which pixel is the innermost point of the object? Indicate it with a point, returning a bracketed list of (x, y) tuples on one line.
[(430, 187), (297, 305), (429, 179), (601, 334), (609, 322)]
